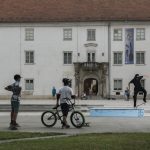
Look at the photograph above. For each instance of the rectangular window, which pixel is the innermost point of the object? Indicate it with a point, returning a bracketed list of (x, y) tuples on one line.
[(143, 83), (91, 35), (91, 57), (67, 34), (29, 84), (29, 57), (140, 58), (117, 84), (29, 34), (117, 34), (117, 58), (67, 57), (140, 34)]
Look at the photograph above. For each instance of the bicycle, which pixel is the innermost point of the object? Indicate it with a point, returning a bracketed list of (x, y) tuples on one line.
[(49, 118)]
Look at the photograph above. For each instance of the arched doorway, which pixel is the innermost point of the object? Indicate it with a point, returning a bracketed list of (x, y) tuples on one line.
[(90, 86)]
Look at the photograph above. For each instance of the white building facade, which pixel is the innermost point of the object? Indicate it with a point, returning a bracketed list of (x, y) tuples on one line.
[(94, 55), (121, 70)]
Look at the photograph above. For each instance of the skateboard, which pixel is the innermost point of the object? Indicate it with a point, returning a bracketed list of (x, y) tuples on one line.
[(86, 124), (140, 104)]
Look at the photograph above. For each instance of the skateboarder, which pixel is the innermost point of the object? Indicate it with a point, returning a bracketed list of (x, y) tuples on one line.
[(137, 88)]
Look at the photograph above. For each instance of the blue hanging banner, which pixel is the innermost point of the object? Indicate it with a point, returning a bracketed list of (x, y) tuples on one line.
[(129, 46)]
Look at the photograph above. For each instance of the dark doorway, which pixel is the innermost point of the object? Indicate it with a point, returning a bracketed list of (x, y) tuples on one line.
[(90, 86)]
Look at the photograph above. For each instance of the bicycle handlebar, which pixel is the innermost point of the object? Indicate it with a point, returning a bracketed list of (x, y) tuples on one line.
[(71, 103)]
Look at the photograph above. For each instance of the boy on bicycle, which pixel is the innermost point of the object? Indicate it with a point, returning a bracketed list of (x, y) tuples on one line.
[(63, 95)]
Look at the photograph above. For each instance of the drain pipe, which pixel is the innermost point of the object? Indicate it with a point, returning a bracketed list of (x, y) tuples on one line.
[(109, 60), (20, 47)]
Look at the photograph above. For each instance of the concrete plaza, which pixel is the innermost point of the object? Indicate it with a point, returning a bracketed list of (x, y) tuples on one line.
[(30, 121)]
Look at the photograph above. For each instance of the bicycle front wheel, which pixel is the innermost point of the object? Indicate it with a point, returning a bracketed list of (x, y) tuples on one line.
[(48, 118), (77, 119)]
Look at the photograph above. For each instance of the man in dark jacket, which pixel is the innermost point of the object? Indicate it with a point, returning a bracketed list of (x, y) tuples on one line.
[(138, 88)]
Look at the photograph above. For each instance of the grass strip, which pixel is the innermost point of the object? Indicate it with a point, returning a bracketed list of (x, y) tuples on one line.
[(106, 141)]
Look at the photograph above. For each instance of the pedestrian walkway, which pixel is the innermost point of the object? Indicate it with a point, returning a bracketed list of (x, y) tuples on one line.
[(104, 103), (30, 121)]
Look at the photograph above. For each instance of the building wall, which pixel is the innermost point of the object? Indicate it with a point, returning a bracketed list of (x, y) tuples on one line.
[(9, 55), (127, 71), (48, 46)]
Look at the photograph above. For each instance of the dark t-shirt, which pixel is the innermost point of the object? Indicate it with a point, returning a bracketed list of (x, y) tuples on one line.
[(137, 82)]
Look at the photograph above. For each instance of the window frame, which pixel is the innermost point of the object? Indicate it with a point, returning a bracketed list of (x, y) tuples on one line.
[(29, 63), (118, 36), (91, 36), (117, 52), (66, 34), (67, 52), (26, 87), (139, 36), (117, 88), (143, 83), (91, 56), (140, 52), (29, 34)]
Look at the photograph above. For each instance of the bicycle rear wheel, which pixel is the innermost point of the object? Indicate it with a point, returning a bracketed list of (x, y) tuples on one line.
[(77, 119), (48, 118)]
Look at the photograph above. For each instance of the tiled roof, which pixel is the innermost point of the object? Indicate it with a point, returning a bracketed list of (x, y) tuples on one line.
[(74, 10)]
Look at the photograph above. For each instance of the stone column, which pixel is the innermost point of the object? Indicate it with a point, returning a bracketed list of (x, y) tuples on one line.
[(104, 82), (77, 78)]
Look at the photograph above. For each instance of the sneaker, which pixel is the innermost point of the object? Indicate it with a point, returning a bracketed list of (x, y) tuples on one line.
[(17, 125), (13, 128), (10, 125), (65, 126)]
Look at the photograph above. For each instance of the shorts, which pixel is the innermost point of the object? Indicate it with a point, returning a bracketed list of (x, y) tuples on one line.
[(65, 109), (15, 106)]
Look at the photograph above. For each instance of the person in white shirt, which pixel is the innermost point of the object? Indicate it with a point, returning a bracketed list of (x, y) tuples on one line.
[(63, 95), (15, 101)]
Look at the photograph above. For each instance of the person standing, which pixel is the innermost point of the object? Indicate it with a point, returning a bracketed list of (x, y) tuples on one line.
[(127, 94), (53, 91), (15, 101), (65, 93), (137, 88)]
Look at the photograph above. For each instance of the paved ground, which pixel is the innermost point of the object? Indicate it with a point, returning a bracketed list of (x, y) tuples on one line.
[(115, 103), (84, 105), (30, 121)]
